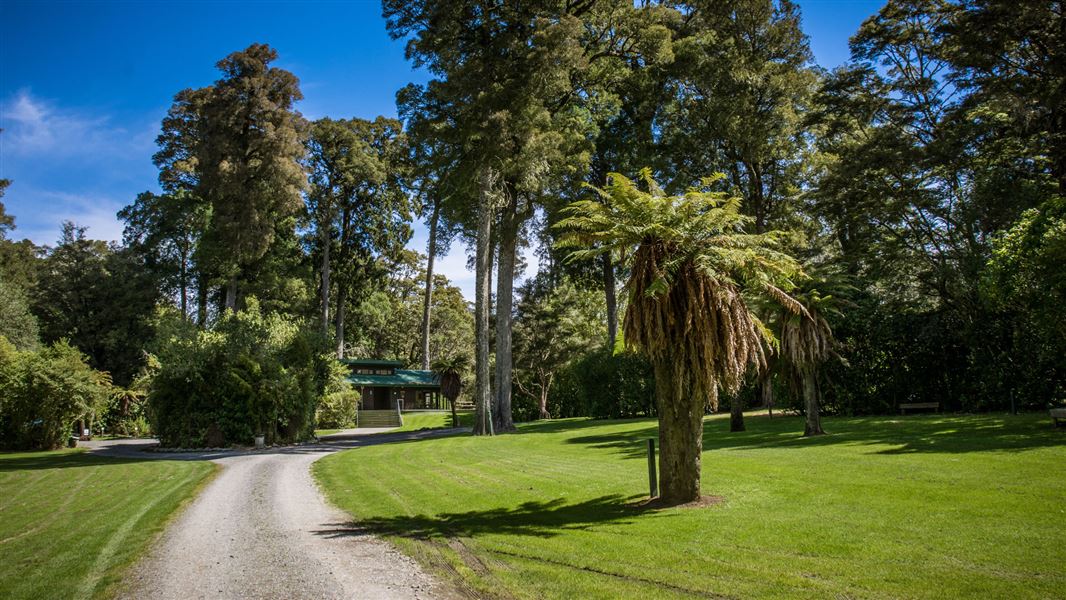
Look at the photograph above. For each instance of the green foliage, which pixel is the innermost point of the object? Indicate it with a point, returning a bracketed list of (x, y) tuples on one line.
[(43, 392), (17, 323), (253, 374), (338, 410)]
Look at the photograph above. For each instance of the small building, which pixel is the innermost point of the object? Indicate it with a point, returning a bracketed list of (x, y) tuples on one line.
[(385, 386)]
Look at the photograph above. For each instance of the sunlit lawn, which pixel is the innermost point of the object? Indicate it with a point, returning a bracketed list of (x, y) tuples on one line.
[(923, 506), (70, 522)]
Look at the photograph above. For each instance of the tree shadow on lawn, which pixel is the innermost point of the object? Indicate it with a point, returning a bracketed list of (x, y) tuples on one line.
[(539, 519), (904, 435), (24, 461)]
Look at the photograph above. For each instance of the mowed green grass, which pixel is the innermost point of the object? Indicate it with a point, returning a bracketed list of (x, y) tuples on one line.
[(415, 421), (71, 522), (923, 506)]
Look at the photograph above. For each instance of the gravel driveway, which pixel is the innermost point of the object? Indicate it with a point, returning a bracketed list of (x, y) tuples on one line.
[(261, 529)]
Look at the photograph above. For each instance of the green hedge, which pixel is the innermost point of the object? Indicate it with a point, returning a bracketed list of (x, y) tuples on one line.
[(253, 374)]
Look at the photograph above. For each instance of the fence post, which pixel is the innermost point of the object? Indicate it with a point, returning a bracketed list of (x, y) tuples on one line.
[(653, 483)]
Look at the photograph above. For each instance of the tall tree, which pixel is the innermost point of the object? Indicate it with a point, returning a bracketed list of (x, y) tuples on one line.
[(686, 309), (238, 145)]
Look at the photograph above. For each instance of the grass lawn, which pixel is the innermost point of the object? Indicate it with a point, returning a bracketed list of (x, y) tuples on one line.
[(413, 421), (924, 506), (70, 522)]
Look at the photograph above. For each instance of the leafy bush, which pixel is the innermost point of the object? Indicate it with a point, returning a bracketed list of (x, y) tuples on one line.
[(42, 394), (253, 374), (338, 410)]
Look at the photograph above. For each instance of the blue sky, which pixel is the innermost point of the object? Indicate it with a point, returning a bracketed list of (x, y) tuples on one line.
[(84, 85)]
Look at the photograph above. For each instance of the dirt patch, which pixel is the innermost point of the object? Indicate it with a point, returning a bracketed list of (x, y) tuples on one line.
[(658, 503)]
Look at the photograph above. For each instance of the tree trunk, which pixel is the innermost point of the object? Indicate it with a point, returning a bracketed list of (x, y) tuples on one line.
[(542, 403), (231, 293), (482, 292), (201, 300), (736, 413), (324, 291), (680, 435), (611, 294), (766, 390), (183, 275), (502, 417), (455, 414), (342, 300), (427, 304), (810, 399)]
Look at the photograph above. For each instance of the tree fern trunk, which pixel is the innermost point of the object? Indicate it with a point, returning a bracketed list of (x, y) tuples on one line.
[(680, 436), (736, 413), (810, 401)]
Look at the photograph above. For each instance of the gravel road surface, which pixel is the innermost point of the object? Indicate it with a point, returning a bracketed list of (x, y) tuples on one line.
[(261, 529)]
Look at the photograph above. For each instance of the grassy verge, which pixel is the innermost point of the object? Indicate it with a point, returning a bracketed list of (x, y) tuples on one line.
[(414, 421), (71, 522), (920, 507)]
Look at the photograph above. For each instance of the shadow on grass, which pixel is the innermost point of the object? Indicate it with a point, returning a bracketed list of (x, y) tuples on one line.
[(57, 460), (538, 519), (902, 435)]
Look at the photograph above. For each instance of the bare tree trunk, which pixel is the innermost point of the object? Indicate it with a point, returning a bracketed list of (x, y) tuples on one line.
[(736, 413), (611, 293), (542, 404), (502, 417), (325, 270), (680, 435), (427, 304), (342, 300), (482, 291), (813, 425)]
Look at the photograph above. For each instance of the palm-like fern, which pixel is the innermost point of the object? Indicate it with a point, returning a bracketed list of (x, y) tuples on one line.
[(690, 261)]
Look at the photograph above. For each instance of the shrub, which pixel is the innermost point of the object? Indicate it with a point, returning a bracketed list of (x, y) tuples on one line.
[(602, 385), (338, 410), (253, 374), (42, 394)]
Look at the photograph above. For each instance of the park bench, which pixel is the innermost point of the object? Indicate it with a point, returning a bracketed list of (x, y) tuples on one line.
[(1057, 415), (903, 408)]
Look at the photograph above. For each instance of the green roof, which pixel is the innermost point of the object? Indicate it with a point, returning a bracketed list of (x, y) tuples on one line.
[(402, 378), (371, 362)]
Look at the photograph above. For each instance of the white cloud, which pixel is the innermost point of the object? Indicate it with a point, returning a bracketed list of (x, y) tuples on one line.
[(44, 225), (36, 128)]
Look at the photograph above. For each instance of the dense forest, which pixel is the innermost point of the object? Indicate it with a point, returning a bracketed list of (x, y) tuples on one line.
[(918, 189)]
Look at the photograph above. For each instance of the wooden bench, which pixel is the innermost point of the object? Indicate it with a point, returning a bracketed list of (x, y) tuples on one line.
[(1057, 415), (913, 405)]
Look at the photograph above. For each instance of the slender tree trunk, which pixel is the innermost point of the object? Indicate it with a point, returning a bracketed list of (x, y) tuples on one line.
[(427, 304), (736, 413), (482, 292), (183, 275), (231, 293), (503, 419), (324, 291), (342, 300), (542, 404), (455, 414), (201, 300), (680, 435), (611, 294), (813, 425)]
